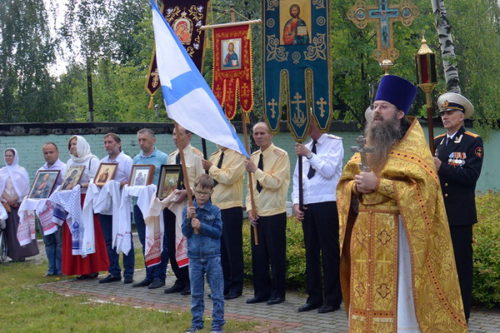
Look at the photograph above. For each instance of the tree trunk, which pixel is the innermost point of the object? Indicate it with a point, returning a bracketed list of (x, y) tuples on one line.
[(443, 28), (89, 91)]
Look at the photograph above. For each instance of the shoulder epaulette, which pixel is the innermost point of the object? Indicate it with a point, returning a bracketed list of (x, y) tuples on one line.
[(197, 151), (173, 153), (256, 152), (439, 136), (278, 151), (474, 135), (331, 136)]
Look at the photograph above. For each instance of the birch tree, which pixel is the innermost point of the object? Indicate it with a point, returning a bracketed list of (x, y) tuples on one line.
[(443, 28)]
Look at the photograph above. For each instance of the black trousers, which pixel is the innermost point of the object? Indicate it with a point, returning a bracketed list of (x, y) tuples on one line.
[(461, 237), (182, 274), (321, 238), (232, 250), (269, 257)]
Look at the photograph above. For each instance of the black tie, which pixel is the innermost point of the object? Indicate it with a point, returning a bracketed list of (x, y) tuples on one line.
[(180, 181), (312, 171), (260, 166), (219, 165)]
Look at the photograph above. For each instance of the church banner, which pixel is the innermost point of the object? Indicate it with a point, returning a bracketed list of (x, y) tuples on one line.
[(232, 61), (186, 17), (296, 64)]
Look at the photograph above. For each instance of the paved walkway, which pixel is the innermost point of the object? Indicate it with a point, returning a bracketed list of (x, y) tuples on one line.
[(276, 318)]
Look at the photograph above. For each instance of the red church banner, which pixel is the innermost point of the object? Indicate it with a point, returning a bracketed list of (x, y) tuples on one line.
[(232, 78)]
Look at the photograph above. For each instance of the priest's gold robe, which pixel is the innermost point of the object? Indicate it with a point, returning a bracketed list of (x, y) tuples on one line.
[(409, 187)]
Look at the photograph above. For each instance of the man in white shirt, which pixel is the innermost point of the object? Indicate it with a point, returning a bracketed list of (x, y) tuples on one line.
[(53, 242), (112, 144), (321, 170)]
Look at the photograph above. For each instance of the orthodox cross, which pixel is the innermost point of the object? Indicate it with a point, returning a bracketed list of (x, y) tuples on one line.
[(384, 15), (272, 104), (321, 104), (300, 117), (362, 150)]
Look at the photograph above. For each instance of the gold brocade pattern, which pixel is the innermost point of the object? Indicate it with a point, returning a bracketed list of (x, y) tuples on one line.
[(410, 188)]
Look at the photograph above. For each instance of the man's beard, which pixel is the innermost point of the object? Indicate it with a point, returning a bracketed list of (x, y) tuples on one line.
[(381, 137)]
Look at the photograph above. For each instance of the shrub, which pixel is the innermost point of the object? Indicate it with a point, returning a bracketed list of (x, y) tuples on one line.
[(486, 245)]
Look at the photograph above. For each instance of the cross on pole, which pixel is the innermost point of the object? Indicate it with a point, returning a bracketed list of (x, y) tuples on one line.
[(362, 150), (383, 14)]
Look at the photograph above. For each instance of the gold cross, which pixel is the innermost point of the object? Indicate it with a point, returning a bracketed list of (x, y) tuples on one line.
[(321, 103), (272, 104)]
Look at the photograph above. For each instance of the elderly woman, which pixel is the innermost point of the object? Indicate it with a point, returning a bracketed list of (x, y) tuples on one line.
[(87, 267), (14, 186)]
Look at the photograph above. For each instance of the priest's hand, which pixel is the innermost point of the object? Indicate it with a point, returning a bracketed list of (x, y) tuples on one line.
[(302, 150), (299, 214), (366, 182), (250, 166), (206, 164), (437, 162)]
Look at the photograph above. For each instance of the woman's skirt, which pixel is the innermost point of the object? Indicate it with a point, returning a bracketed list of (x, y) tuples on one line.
[(14, 250)]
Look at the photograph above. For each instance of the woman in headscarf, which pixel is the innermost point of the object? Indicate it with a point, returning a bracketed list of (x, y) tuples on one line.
[(14, 186), (87, 267)]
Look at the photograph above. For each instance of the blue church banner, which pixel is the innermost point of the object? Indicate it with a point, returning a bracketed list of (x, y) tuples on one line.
[(296, 64)]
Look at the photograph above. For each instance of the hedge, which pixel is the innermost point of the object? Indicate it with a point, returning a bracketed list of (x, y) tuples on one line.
[(486, 252)]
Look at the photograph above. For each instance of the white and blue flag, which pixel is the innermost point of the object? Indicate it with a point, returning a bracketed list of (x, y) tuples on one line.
[(188, 98)]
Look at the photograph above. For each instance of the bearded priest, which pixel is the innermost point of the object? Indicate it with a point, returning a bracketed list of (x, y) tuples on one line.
[(397, 265)]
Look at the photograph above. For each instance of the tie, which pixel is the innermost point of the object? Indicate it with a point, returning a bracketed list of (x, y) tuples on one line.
[(312, 171), (180, 181), (219, 165), (260, 166)]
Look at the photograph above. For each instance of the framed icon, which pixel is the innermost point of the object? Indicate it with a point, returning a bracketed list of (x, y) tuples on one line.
[(231, 53), (72, 177), (142, 174), (169, 180), (105, 173), (44, 183)]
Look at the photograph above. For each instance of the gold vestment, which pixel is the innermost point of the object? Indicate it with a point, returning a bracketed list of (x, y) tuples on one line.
[(409, 187)]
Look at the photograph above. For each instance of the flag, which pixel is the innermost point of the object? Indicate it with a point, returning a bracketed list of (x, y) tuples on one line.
[(188, 98)]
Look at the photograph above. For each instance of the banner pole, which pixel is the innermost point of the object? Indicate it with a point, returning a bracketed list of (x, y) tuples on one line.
[(250, 178)]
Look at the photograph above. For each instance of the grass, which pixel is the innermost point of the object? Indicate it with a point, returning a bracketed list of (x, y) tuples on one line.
[(27, 308)]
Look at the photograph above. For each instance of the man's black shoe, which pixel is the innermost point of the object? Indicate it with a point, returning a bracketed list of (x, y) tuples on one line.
[(176, 288), (328, 308), (157, 283), (232, 295), (308, 307), (143, 283), (276, 300), (128, 279), (254, 300), (186, 291), (110, 278)]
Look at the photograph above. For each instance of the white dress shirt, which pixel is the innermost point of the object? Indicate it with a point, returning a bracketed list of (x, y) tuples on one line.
[(328, 164), (124, 166)]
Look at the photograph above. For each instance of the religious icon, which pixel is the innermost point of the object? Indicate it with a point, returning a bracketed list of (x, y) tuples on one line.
[(142, 174), (169, 180), (295, 31), (231, 53), (105, 173), (183, 28), (43, 184), (72, 177)]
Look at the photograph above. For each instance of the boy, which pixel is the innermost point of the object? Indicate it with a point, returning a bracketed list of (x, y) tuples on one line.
[(202, 227)]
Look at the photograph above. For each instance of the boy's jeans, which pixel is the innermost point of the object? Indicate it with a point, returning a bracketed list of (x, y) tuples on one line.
[(211, 267)]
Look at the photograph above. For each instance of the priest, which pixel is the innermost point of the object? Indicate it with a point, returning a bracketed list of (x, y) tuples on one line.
[(397, 265)]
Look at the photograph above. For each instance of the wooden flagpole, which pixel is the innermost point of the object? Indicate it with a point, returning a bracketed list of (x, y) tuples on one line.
[(250, 177)]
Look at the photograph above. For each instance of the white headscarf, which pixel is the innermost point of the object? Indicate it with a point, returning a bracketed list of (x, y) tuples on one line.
[(82, 150), (17, 174)]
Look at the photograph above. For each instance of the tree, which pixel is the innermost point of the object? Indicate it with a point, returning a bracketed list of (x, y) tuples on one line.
[(26, 51)]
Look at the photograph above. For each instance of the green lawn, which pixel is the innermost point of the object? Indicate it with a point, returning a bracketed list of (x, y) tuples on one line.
[(26, 308)]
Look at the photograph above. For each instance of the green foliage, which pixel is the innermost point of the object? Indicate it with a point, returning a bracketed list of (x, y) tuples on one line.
[(486, 278)]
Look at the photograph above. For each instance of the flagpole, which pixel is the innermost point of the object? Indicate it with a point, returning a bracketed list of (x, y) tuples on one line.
[(189, 193), (250, 178)]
